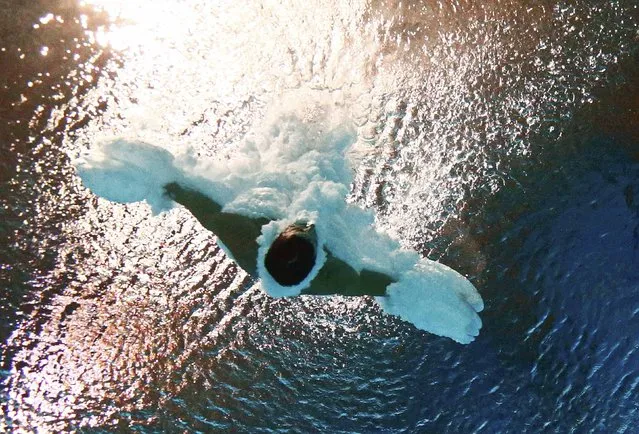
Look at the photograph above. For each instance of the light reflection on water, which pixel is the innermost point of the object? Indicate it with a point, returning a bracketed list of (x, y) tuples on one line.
[(471, 119)]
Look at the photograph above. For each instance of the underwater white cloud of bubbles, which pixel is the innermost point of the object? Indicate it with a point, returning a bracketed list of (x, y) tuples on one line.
[(294, 169)]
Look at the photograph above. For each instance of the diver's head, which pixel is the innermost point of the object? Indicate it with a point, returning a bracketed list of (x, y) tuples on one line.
[(291, 256)]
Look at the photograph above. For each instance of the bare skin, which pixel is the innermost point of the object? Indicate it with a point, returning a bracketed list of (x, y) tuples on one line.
[(239, 234)]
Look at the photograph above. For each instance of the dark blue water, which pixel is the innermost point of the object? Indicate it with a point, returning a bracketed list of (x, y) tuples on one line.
[(116, 321)]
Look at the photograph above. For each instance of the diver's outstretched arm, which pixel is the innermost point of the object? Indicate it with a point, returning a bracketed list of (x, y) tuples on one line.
[(237, 232), (336, 277)]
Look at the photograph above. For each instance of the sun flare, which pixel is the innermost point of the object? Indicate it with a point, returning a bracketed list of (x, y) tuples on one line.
[(146, 23)]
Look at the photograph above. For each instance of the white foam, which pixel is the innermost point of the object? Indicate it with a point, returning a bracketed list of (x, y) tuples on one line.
[(126, 172), (436, 298), (295, 168)]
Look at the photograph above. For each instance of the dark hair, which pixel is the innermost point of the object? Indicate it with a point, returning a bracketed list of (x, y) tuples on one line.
[(291, 256)]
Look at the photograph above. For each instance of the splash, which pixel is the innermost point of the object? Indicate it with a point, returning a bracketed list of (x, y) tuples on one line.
[(295, 167)]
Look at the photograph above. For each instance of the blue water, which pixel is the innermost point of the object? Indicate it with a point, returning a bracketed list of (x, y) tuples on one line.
[(115, 320)]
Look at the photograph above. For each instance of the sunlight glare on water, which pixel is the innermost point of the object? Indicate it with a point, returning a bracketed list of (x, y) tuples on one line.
[(142, 24), (463, 112)]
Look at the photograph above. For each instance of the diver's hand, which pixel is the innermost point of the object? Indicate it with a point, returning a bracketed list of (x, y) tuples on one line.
[(374, 282), (199, 204)]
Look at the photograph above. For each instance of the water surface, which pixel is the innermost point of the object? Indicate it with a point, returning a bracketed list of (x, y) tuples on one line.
[(500, 138)]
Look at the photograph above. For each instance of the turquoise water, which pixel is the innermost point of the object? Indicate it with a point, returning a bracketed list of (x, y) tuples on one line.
[(501, 140)]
